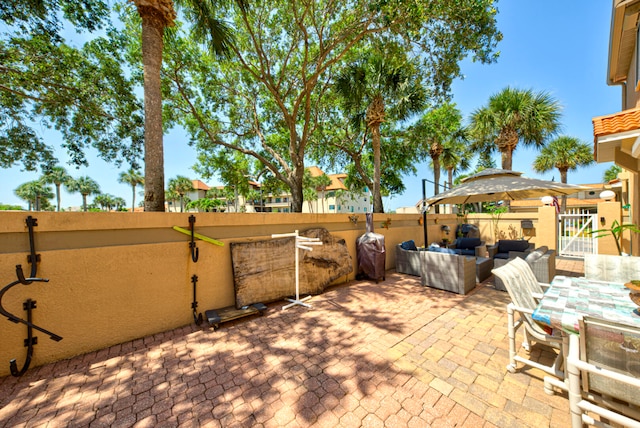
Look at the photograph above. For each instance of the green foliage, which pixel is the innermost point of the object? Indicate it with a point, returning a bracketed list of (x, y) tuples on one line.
[(85, 186), (496, 212), (271, 100), (180, 185), (6, 207), (81, 92), (611, 173), (514, 116), (616, 230)]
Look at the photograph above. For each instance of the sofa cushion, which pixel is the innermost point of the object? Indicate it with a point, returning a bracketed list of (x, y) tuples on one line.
[(468, 244), (506, 245), (409, 245)]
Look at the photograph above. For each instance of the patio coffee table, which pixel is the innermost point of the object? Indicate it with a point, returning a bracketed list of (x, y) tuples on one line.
[(483, 268)]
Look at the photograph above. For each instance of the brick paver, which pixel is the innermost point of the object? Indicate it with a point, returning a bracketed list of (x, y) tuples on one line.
[(391, 354)]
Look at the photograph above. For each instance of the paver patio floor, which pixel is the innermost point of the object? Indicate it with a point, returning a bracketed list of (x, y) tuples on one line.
[(392, 354)]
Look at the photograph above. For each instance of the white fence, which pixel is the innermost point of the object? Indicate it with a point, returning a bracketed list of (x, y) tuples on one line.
[(574, 233)]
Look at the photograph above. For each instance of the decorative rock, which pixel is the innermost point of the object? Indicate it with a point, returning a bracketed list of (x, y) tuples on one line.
[(264, 271)]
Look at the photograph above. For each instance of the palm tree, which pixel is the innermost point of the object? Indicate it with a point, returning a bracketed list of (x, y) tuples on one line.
[(367, 87), (171, 196), (434, 129), (456, 156), (132, 178), (181, 185), (156, 15), (566, 154), (611, 173), (85, 186), (57, 176), (33, 192), (513, 116)]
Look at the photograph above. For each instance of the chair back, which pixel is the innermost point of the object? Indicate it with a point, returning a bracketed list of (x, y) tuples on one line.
[(521, 284), (612, 346)]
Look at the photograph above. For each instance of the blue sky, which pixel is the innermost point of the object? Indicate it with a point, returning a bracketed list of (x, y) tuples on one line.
[(556, 46)]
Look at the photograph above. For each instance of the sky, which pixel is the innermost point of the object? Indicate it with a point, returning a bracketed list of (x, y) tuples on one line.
[(560, 47)]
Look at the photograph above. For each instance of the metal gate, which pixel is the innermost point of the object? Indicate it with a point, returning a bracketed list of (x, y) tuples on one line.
[(574, 237)]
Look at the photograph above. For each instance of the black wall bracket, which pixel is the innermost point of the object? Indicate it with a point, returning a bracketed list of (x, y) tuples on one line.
[(28, 305)]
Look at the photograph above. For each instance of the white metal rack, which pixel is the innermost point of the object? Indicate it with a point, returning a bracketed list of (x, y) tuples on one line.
[(302, 243)]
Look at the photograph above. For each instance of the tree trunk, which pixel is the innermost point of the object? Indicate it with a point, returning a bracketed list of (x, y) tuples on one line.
[(375, 142), (133, 200), (152, 45), (436, 180), (563, 179), (58, 196)]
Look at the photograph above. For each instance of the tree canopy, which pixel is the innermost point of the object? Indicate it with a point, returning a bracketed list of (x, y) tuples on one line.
[(82, 92), (270, 99)]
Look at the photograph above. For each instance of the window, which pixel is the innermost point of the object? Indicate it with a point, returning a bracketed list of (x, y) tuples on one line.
[(332, 207)]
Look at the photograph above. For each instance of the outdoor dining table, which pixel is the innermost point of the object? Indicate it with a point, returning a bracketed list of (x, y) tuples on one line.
[(569, 298)]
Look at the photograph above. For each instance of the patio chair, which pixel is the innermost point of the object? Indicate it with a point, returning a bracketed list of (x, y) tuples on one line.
[(525, 291), (604, 368)]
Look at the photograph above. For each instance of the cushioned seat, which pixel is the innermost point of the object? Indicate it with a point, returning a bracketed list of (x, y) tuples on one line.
[(407, 259), (468, 247), (504, 246)]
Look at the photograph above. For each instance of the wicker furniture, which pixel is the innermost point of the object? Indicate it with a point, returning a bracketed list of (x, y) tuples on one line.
[(407, 261), (449, 272), (468, 247), (503, 247), (483, 268)]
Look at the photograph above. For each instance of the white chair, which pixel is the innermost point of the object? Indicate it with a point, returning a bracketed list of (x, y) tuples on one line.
[(603, 366), (524, 290)]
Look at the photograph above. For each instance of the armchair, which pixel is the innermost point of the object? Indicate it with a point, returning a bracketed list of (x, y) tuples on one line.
[(503, 247), (468, 247), (407, 258)]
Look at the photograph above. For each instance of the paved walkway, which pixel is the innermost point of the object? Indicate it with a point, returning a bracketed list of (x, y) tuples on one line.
[(392, 354)]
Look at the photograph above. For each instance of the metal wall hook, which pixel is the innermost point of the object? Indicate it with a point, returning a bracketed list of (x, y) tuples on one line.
[(197, 317), (195, 251), (17, 319), (28, 305)]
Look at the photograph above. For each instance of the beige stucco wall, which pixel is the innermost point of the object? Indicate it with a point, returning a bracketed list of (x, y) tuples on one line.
[(114, 277)]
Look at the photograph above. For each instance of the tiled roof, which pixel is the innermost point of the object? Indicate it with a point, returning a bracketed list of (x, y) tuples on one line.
[(336, 182), (615, 123), (199, 185)]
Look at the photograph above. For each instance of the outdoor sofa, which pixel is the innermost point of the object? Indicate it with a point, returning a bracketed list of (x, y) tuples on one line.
[(503, 247), (468, 247), (407, 258), (450, 272)]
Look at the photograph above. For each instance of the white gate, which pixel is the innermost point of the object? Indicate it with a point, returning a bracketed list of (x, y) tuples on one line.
[(574, 237)]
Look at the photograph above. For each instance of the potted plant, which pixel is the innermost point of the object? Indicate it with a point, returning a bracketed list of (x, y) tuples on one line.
[(616, 231)]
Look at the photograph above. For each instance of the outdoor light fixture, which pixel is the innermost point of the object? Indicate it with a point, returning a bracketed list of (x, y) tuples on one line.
[(602, 221), (446, 229), (547, 200), (608, 195)]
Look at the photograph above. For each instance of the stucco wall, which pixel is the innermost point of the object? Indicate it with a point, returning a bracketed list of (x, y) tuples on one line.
[(114, 277)]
